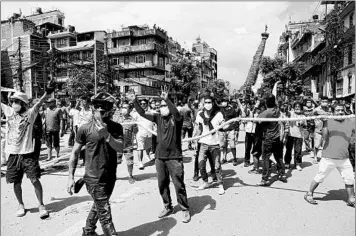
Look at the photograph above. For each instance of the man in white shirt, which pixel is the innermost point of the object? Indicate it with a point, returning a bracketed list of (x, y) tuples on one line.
[(208, 119), (143, 137), (19, 144)]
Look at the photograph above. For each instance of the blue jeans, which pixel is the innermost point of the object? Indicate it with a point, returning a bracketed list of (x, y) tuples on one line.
[(101, 208), (214, 152)]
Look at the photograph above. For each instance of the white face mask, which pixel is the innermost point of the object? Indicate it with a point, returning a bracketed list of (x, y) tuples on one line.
[(124, 111), (224, 104), (164, 111), (16, 107), (208, 106)]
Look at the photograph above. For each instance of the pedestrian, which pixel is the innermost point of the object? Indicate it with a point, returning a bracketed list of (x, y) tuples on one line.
[(129, 131), (274, 135), (143, 137), (20, 147), (208, 119), (54, 128), (103, 139), (169, 157), (187, 115), (228, 137), (62, 106), (336, 139), (295, 137), (250, 129), (74, 121), (310, 129)]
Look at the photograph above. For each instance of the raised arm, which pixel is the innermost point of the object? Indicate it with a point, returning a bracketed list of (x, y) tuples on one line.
[(173, 110), (149, 116), (49, 90)]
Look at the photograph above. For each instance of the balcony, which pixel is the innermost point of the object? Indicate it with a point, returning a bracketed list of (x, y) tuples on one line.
[(121, 34), (138, 48), (147, 64), (62, 33), (154, 32)]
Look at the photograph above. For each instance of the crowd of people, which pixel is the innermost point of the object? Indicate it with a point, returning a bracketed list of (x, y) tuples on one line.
[(104, 131)]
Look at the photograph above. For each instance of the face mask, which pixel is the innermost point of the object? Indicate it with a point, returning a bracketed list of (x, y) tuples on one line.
[(16, 107), (224, 104), (153, 106), (164, 111), (208, 106), (124, 111)]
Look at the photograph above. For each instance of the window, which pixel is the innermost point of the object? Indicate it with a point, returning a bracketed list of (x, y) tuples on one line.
[(140, 59), (350, 82), (126, 60), (61, 42), (115, 43), (351, 19), (74, 56), (141, 41), (339, 87), (126, 89), (349, 55), (60, 21), (87, 55), (115, 61), (160, 61)]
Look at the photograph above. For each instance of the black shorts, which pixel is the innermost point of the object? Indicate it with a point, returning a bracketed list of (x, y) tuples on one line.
[(52, 139), (18, 164)]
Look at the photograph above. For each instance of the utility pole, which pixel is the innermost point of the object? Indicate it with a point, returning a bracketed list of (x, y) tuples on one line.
[(95, 82), (19, 70)]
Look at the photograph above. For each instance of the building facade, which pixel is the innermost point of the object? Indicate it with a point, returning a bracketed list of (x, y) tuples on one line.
[(138, 55)]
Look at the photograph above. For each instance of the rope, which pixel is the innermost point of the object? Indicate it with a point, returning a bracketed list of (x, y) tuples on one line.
[(324, 117)]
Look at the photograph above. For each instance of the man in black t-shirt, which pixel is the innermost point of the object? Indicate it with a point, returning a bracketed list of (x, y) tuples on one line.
[(103, 138), (169, 157)]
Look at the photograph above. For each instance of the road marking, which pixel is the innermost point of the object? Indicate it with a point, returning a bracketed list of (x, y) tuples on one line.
[(74, 229)]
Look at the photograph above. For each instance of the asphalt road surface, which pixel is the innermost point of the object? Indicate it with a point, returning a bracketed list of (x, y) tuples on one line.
[(245, 209)]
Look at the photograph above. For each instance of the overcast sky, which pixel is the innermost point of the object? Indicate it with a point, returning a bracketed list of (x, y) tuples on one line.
[(232, 28)]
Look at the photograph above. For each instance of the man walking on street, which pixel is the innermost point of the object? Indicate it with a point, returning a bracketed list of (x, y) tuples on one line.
[(19, 144), (187, 114), (169, 157), (103, 139), (336, 139), (54, 127), (274, 135)]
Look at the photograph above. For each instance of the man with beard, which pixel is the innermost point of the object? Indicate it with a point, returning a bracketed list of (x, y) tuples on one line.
[(228, 137), (336, 139), (169, 157), (20, 147), (103, 138)]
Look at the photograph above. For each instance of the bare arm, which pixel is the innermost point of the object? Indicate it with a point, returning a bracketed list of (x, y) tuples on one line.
[(174, 111), (141, 112), (73, 160), (44, 98)]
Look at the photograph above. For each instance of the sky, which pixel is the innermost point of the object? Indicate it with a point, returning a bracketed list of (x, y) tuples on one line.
[(232, 28)]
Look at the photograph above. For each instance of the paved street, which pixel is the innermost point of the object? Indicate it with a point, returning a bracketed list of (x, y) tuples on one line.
[(245, 209)]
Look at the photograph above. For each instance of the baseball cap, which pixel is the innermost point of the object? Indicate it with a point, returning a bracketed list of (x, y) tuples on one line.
[(20, 96)]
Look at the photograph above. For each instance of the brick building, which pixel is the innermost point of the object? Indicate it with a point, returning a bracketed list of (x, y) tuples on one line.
[(138, 55)]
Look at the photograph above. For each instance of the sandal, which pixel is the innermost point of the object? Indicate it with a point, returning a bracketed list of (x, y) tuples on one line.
[(309, 198)]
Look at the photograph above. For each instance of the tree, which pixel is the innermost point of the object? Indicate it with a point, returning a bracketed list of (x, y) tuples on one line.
[(290, 76), (185, 80)]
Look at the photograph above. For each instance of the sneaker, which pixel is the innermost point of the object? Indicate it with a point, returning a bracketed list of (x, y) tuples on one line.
[(43, 212), (165, 212), (21, 211), (264, 183), (283, 178), (205, 185), (223, 161), (132, 180), (221, 190), (141, 167), (299, 168), (234, 162), (195, 178), (186, 216), (89, 234), (247, 164), (254, 171)]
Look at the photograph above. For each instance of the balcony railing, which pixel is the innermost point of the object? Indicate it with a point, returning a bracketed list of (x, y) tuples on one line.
[(138, 48), (118, 34), (139, 65), (149, 32)]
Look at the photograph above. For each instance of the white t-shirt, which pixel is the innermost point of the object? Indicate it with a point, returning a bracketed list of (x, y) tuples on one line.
[(19, 130), (211, 139), (75, 114), (143, 121)]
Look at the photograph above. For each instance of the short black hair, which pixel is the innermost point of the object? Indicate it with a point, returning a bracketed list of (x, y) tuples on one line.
[(298, 103), (270, 101), (324, 98)]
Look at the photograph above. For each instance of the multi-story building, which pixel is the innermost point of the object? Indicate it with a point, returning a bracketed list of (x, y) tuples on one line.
[(207, 57), (174, 54), (138, 55), (345, 84), (28, 32)]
